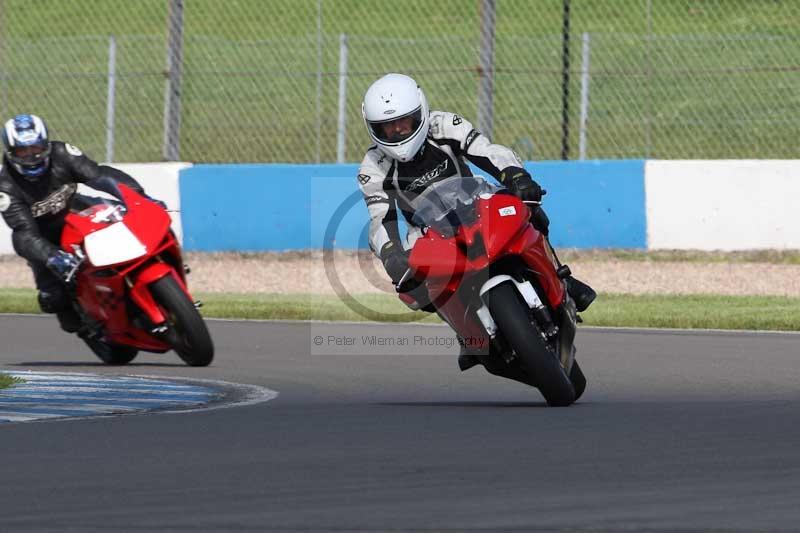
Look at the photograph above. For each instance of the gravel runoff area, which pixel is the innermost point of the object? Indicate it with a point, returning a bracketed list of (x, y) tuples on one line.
[(359, 272)]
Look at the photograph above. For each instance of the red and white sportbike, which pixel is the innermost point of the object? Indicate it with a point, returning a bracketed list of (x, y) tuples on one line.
[(494, 278), (130, 288)]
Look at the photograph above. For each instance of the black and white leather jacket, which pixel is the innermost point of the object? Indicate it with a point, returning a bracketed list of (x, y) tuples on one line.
[(389, 185)]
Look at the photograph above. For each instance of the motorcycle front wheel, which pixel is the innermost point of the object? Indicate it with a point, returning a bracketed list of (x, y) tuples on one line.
[(510, 313), (187, 332)]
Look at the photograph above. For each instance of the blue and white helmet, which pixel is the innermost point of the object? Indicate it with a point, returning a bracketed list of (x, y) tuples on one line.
[(26, 145)]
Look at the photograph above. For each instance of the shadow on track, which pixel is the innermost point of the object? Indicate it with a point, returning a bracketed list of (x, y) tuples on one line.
[(495, 405)]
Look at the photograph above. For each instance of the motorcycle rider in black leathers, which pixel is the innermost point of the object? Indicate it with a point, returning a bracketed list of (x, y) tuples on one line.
[(414, 148), (37, 182)]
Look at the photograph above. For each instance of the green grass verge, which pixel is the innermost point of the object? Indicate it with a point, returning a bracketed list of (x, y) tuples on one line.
[(375, 307), (657, 311), (774, 313), (7, 381), (18, 301), (775, 257)]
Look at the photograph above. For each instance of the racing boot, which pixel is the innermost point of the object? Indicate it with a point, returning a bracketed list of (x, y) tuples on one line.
[(69, 320), (418, 299), (466, 359), (469, 354), (55, 300), (581, 293), (504, 370)]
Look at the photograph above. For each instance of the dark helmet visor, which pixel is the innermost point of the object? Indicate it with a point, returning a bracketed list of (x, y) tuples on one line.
[(399, 129), (29, 156)]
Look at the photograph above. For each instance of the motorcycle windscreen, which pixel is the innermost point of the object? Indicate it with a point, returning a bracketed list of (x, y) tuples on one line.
[(113, 244), (448, 204)]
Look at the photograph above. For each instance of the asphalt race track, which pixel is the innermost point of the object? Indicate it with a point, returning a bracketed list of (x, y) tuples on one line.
[(676, 432)]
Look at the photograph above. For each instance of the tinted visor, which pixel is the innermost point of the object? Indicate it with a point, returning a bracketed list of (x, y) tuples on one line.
[(31, 155), (399, 129)]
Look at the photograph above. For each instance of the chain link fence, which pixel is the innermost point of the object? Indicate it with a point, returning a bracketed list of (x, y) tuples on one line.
[(282, 80)]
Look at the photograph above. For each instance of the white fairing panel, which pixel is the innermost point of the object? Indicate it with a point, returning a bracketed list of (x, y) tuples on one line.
[(113, 244)]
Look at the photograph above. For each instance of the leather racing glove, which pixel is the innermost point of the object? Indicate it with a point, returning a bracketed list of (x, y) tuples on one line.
[(395, 261), (521, 184), (63, 265)]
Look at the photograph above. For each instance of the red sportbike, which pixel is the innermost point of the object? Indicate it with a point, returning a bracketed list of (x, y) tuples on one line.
[(494, 278), (130, 289)]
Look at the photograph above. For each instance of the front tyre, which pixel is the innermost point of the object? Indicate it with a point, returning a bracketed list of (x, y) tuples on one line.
[(187, 332), (510, 313)]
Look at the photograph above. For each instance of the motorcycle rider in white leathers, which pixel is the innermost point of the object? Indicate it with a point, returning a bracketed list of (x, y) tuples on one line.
[(414, 148)]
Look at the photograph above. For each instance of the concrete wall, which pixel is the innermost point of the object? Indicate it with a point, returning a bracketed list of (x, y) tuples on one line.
[(703, 205), (160, 180), (723, 205)]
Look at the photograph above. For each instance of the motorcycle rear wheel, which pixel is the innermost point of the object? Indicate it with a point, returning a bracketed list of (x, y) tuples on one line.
[(111, 354), (510, 314), (187, 331)]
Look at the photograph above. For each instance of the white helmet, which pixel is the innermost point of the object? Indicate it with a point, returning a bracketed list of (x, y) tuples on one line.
[(387, 102)]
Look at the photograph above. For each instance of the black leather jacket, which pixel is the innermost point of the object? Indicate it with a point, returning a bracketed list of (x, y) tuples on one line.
[(35, 210)]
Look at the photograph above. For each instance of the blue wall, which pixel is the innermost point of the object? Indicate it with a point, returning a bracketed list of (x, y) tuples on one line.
[(592, 204), (267, 207)]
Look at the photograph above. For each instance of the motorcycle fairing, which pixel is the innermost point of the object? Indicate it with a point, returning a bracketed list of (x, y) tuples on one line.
[(501, 228), (107, 291)]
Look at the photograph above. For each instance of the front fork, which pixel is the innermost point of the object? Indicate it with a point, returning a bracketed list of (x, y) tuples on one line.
[(140, 290), (563, 332)]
